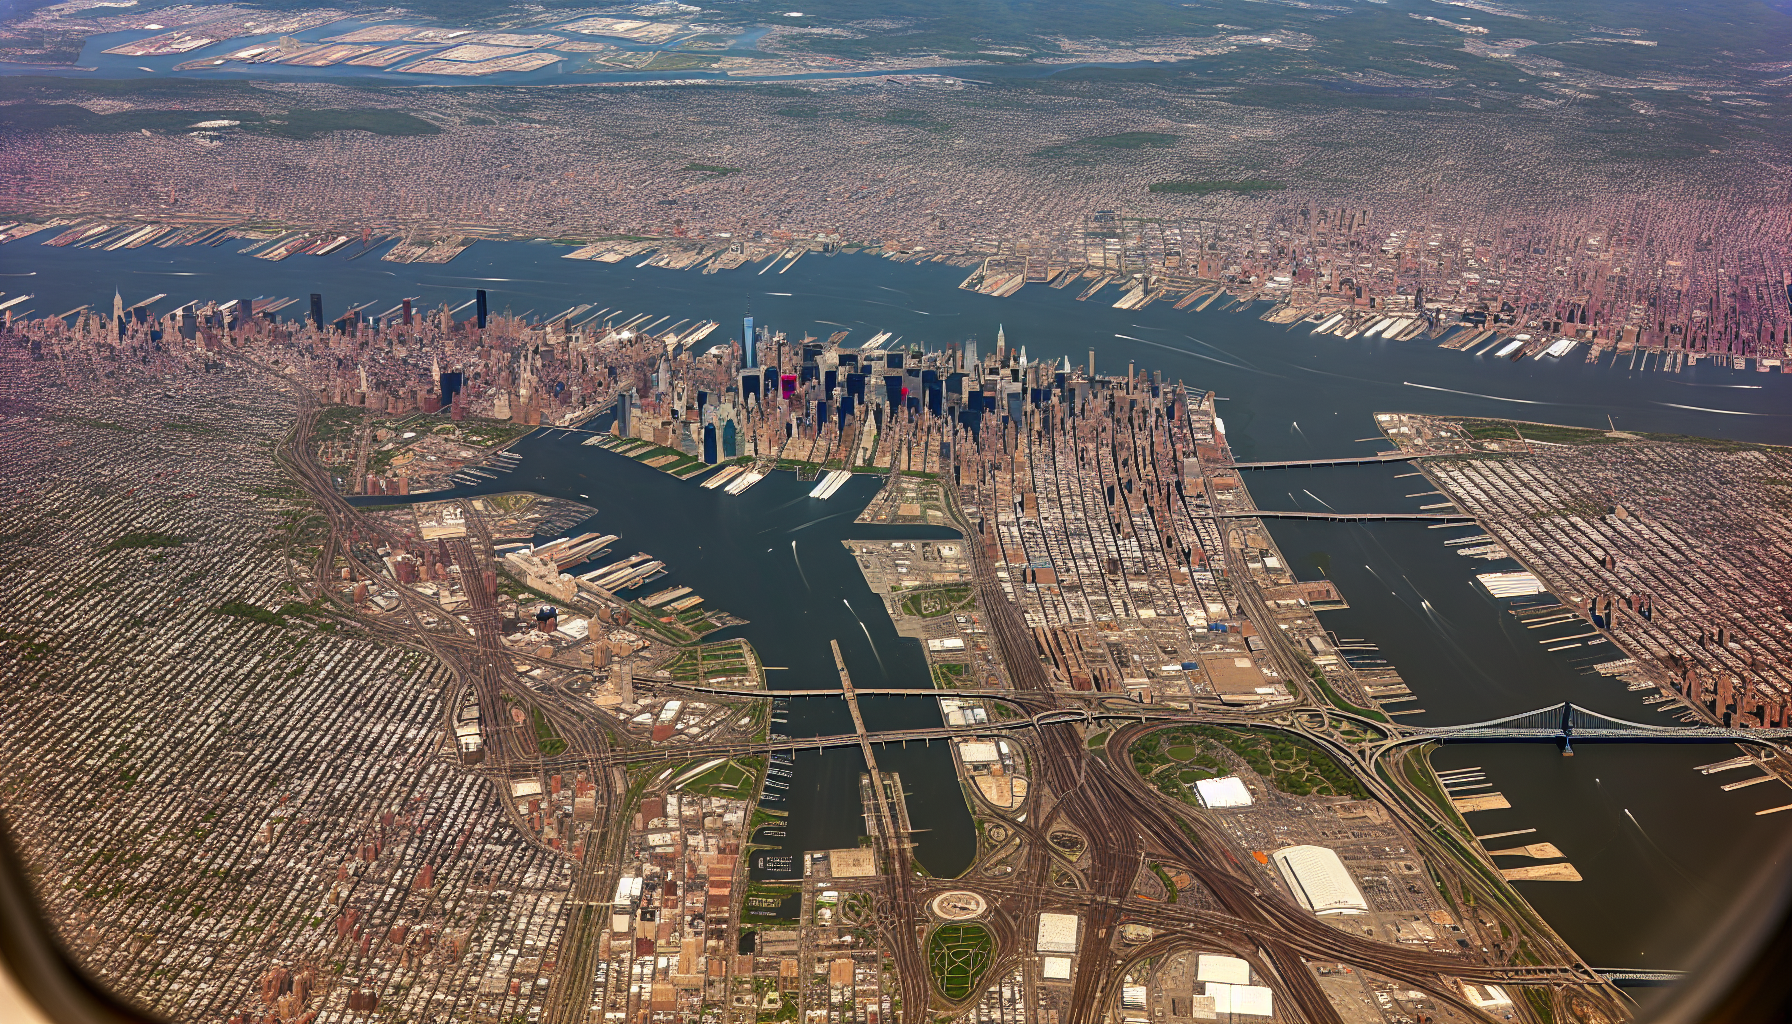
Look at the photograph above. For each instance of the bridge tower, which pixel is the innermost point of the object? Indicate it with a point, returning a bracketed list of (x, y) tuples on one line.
[(1567, 729)]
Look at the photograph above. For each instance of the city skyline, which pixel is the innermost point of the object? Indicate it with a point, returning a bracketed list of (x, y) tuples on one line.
[(921, 513)]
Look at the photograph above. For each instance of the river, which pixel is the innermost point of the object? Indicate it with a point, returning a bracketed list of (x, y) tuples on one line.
[(1660, 847)]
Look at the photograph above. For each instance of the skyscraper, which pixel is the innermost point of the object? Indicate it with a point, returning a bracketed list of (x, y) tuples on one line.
[(749, 346), (451, 386), (479, 307), (317, 311), (407, 312)]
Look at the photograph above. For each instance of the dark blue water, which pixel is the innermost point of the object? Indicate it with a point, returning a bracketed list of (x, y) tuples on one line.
[(1285, 394), (1661, 849), (775, 557)]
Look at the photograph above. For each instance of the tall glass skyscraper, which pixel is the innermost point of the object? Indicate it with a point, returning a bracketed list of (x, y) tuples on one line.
[(749, 347)]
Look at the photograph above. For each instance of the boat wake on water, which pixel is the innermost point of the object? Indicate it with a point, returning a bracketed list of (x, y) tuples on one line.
[(861, 622), (1220, 351), (1197, 355), (799, 566), (509, 280), (1721, 412), (919, 312), (812, 522), (1477, 394)]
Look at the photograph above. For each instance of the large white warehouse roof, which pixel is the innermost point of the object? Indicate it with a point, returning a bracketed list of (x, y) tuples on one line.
[(1229, 791), (1319, 880), (1057, 933)]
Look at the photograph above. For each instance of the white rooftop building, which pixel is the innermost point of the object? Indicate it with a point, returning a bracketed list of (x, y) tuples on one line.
[(1241, 1000), (1057, 933), (1224, 792), (978, 751), (1319, 880), (1227, 970)]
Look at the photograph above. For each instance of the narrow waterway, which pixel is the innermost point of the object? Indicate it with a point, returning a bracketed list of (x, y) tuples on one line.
[(775, 557), (1286, 395)]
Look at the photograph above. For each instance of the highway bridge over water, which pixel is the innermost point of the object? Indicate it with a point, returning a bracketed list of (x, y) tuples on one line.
[(1355, 460), (1345, 517), (1562, 723), (1566, 723)]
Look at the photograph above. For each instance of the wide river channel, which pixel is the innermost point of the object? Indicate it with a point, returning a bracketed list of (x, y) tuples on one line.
[(1660, 847)]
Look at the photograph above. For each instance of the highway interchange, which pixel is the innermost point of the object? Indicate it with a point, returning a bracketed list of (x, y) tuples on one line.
[(1097, 793)]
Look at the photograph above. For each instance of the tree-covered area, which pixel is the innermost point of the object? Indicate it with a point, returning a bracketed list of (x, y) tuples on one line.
[(1175, 759)]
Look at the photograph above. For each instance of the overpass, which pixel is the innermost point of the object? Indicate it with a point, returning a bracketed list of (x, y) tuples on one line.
[(672, 751)]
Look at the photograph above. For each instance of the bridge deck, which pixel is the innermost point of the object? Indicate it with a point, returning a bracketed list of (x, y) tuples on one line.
[(1354, 460), (1684, 734), (1345, 517)]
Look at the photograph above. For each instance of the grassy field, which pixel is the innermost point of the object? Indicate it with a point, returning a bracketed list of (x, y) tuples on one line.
[(490, 432), (957, 955), (733, 780), (256, 613), (663, 61), (771, 904), (927, 604), (336, 423), (1176, 759), (710, 661), (950, 675), (1487, 430), (547, 738), (1555, 433), (1315, 673)]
